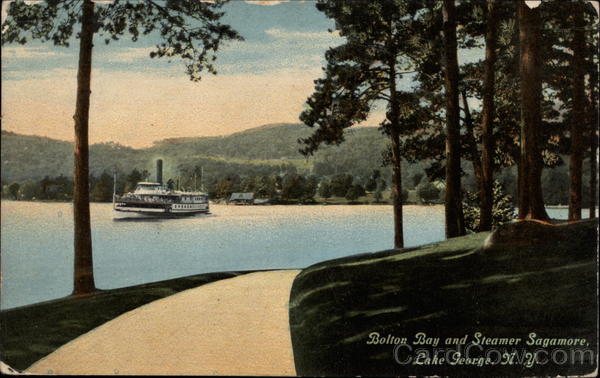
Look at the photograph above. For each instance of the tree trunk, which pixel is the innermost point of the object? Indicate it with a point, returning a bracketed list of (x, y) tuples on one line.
[(477, 167), (83, 269), (397, 188), (487, 118), (593, 125), (396, 157), (593, 173), (453, 200), (578, 113), (530, 197)]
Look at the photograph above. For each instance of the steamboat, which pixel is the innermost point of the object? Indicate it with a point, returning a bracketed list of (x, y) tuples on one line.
[(153, 199)]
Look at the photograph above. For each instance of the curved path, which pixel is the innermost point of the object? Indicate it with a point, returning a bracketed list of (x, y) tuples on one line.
[(236, 326)]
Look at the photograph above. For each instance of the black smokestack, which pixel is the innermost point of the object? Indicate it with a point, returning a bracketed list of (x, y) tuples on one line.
[(159, 171)]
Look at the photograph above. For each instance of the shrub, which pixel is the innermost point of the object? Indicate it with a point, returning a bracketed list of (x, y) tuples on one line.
[(503, 210), (428, 192)]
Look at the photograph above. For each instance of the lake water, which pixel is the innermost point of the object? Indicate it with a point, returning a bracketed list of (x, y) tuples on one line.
[(37, 242)]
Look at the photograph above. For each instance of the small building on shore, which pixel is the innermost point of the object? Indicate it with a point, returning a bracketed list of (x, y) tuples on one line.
[(241, 199)]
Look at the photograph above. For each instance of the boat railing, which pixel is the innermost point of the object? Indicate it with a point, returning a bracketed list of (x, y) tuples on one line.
[(145, 199)]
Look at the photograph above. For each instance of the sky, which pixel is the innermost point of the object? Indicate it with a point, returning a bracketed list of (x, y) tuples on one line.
[(137, 100)]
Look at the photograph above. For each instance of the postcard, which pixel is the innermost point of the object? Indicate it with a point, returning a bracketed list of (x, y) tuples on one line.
[(299, 187)]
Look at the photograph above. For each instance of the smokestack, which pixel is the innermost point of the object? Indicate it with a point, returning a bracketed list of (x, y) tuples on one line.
[(159, 171)]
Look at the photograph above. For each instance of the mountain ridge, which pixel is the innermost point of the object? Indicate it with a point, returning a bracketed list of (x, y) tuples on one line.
[(265, 149)]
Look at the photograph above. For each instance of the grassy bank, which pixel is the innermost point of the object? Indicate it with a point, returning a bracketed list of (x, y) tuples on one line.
[(540, 280), (31, 332)]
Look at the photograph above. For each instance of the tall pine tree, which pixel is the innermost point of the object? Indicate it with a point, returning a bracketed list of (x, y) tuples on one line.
[(190, 29)]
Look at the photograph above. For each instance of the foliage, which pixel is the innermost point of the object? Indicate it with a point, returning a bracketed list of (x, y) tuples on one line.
[(60, 188), (340, 184), (189, 29), (29, 191), (134, 177), (503, 210), (354, 192), (293, 187), (378, 195), (102, 188), (404, 195), (428, 192), (325, 190), (266, 187), (28, 159), (13, 189)]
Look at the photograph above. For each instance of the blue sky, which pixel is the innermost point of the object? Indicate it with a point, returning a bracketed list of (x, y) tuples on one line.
[(137, 100), (278, 36)]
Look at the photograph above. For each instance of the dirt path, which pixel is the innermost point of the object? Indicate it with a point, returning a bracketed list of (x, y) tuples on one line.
[(237, 326)]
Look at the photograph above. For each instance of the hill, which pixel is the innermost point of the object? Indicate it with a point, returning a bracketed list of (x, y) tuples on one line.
[(346, 315), (263, 150), (266, 150)]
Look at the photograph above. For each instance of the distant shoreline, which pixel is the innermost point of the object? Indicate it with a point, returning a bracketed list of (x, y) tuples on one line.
[(334, 202), (315, 203)]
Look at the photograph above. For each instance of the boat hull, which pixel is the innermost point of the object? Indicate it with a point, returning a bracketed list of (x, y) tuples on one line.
[(138, 214)]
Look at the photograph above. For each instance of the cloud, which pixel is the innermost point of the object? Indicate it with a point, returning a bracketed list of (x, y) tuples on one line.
[(35, 75), (286, 34), (26, 52), (266, 2), (129, 54)]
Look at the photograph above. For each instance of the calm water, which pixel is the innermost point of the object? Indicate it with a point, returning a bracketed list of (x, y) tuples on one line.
[(37, 252)]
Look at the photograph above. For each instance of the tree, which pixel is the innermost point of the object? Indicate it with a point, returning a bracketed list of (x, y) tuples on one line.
[(416, 178), (13, 189), (325, 190), (378, 196), (363, 71), (340, 184), (503, 210), (55, 20), (310, 188), (134, 178), (29, 190), (248, 184), (578, 113), (487, 143), (404, 195), (530, 197), (226, 186), (453, 198), (371, 184), (102, 191), (265, 187), (381, 186), (354, 192), (293, 187), (571, 71), (428, 192), (593, 123)]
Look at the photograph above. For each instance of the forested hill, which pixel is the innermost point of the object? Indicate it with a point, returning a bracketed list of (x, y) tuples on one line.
[(262, 150), (266, 150), (273, 141)]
